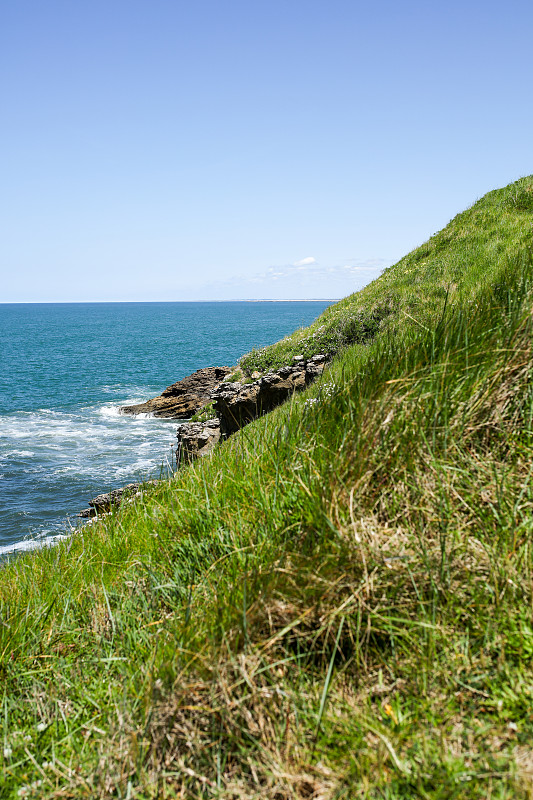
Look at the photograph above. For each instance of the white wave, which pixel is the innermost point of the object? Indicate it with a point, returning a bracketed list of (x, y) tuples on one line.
[(114, 411), (32, 544), (139, 417), (109, 411), (111, 387), (80, 452), (140, 466)]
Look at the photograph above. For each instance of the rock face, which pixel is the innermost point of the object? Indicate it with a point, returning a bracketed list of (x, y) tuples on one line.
[(236, 404), (184, 398), (196, 439), (104, 502)]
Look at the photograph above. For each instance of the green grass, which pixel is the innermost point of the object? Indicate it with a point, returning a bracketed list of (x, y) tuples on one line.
[(337, 603), (204, 414)]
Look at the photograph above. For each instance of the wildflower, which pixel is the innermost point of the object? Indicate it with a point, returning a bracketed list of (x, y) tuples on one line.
[(8, 752), (25, 790), (389, 711)]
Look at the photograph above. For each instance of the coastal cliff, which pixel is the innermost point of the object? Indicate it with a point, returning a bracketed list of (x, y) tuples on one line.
[(337, 602), (229, 405)]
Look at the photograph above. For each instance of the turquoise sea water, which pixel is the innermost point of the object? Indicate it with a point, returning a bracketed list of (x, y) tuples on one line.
[(64, 371)]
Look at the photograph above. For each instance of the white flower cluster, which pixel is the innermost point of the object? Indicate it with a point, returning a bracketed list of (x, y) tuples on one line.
[(8, 750), (30, 788), (326, 390), (26, 738)]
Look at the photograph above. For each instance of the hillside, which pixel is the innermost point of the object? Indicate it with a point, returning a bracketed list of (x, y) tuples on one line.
[(337, 602), (455, 263)]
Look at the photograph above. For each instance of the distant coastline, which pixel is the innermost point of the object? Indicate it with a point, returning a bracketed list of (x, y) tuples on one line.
[(275, 300)]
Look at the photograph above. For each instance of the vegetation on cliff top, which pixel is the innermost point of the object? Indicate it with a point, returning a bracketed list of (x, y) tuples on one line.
[(338, 602), (467, 253)]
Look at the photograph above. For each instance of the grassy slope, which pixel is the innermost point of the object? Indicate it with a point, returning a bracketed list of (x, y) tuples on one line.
[(337, 603), (465, 255)]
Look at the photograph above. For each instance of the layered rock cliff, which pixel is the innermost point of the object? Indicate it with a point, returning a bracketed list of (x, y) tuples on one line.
[(237, 404), (183, 399)]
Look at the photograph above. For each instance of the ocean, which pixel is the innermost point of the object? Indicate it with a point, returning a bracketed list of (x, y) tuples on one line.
[(66, 368)]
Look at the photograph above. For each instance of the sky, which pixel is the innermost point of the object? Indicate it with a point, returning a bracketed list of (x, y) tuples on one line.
[(231, 149)]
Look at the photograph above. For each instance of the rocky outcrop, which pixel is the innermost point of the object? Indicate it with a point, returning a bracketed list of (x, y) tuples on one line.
[(183, 399), (237, 404), (196, 439), (103, 503)]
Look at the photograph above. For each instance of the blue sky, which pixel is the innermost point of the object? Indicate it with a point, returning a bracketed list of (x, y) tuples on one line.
[(218, 149)]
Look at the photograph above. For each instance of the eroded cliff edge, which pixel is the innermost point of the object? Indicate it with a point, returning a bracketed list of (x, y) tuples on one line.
[(185, 398)]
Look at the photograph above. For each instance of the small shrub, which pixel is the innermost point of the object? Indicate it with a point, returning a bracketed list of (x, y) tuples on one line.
[(205, 413), (234, 377)]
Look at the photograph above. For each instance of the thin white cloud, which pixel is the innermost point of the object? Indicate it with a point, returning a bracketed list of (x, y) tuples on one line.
[(305, 280), (311, 272), (305, 262)]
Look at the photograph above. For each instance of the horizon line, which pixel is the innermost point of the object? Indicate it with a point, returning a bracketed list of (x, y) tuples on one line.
[(230, 300)]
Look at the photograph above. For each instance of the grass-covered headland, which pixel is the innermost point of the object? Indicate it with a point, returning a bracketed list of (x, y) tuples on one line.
[(338, 602)]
